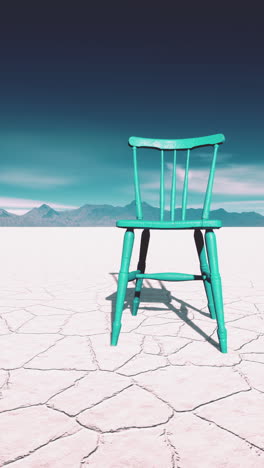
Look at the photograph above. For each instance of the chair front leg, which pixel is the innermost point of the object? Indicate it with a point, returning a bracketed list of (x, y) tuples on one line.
[(211, 247), (141, 267), (122, 284), (204, 267)]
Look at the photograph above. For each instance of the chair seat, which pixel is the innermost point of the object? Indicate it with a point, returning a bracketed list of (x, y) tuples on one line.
[(191, 224)]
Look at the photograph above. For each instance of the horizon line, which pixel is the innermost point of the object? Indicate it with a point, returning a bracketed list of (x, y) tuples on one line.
[(118, 206)]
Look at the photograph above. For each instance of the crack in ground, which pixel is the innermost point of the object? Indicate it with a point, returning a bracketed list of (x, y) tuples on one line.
[(6, 383), (46, 401), (192, 409), (40, 333), (125, 428), (256, 307), (145, 371), (84, 459), (160, 353), (7, 325), (71, 311), (217, 399), (158, 324), (249, 341), (44, 351), (189, 363), (81, 336), (62, 369), (175, 352), (29, 320), (49, 293), (128, 360), (93, 353), (247, 329), (175, 457), (89, 407), (242, 375), (240, 318), (69, 386), (230, 432), (136, 327), (21, 407), (153, 394), (124, 363), (252, 360), (65, 322), (106, 398), (20, 457)]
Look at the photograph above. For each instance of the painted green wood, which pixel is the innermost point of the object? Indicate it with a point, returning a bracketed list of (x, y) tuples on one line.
[(208, 195), (136, 300), (185, 187), (204, 268), (186, 143), (170, 276), (136, 184), (211, 249), (132, 275), (173, 187), (122, 284), (190, 224), (162, 199), (141, 268)]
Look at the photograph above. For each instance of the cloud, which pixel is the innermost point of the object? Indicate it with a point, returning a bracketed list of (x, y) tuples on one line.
[(207, 156), (22, 205), (33, 179), (231, 180), (235, 180)]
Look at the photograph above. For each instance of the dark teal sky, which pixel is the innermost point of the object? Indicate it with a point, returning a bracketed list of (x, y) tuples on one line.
[(76, 83)]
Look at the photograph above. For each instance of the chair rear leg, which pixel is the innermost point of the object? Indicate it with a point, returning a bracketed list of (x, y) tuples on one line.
[(211, 247), (141, 267), (122, 284), (204, 267)]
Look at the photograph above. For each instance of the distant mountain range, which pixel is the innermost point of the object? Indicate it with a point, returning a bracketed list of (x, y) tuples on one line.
[(107, 215)]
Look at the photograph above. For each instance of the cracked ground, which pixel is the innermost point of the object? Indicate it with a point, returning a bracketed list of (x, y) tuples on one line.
[(165, 396)]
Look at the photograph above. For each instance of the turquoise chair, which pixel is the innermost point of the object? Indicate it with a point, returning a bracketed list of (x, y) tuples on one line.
[(207, 250)]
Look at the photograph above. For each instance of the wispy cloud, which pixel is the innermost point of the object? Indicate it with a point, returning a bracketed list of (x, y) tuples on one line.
[(207, 156), (22, 205), (33, 179), (231, 180)]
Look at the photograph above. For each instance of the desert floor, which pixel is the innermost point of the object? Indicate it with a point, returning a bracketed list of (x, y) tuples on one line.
[(165, 396)]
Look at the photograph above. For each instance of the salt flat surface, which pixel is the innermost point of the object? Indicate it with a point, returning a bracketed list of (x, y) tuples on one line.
[(165, 396)]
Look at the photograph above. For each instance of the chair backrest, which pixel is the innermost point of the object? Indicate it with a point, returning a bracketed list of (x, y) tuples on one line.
[(173, 145)]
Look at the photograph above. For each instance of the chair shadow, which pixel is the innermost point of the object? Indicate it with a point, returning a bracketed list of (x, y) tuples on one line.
[(162, 295)]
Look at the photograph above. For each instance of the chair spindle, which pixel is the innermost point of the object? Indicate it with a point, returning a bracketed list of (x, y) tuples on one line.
[(162, 199), (185, 187), (136, 184), (208, 195), (173, 188)]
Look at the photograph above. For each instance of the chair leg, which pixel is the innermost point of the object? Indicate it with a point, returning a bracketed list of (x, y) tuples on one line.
[(204, 267), (122, 284), (141, 266), (211, 247)]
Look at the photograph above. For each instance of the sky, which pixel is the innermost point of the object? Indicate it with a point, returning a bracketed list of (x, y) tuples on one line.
[(76, 82)]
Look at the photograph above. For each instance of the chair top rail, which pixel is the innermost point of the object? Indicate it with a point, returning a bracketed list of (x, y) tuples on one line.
[(186, 143)]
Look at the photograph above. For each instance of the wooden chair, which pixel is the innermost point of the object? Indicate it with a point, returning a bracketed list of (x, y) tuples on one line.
[(207, 251)]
